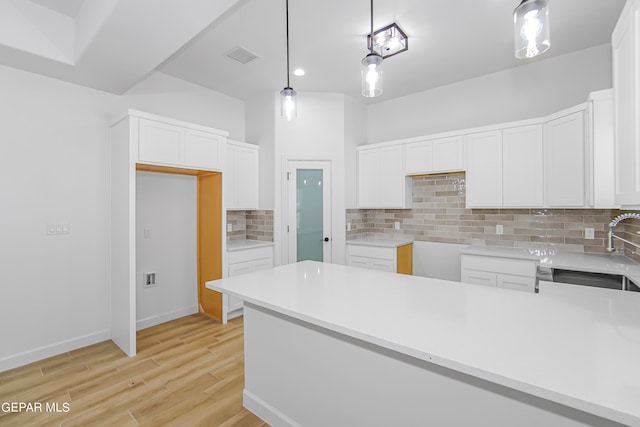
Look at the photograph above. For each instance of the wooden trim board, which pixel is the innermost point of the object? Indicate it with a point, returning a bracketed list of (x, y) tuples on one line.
[(404, 257)]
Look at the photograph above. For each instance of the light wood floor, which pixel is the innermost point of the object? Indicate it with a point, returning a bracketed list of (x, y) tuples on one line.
[(188, 372)]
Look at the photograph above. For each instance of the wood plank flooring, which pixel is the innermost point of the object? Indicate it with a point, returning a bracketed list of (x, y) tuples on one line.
[(188, 372)]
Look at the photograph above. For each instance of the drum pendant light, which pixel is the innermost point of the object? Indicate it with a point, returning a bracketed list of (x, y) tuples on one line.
[(372, 69), (531, 28), (288, 102)]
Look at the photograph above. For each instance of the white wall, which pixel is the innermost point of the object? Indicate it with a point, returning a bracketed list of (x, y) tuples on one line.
[(528, 91), (318, 132), (54, 162), (166, 206), (355, 134)]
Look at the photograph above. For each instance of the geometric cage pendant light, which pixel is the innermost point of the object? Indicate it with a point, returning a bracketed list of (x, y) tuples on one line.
[(531, 28), (372, 69), (288, 98)]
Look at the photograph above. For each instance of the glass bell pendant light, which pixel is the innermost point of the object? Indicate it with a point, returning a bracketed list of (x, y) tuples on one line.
[(288, 101), (372, 69), (531, 28)]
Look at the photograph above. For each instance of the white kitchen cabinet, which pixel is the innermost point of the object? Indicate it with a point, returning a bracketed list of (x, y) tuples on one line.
[(484, 169), (394, 259), (381, 181), (178, 145), (600, 155), (434, 156), (507, 273), (522, 166), (625, 42), (244, 261), (565, 161), (241, 176)]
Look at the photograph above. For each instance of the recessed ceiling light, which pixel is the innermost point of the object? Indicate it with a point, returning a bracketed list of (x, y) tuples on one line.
[(298, 72)]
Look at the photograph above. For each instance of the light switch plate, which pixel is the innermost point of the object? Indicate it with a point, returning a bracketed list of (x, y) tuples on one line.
[(499, 229), (229, 228), (396, 225), (589, 233)]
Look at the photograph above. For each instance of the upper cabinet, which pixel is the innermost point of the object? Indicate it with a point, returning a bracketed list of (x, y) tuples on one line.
[(434, 156), (504, 167), (565, 161), (484, 169), (381, 182), (167, 142), (241, 176), (625, 42)]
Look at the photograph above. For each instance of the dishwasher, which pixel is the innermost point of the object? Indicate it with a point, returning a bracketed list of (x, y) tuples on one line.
[(585, 278)]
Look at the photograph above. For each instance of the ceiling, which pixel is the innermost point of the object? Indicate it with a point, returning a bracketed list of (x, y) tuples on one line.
[(113, 44)]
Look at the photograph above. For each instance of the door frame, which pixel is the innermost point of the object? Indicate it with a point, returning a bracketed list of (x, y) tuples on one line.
[(284, 202)]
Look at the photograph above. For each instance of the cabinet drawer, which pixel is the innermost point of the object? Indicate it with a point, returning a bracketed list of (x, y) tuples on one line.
[(517, 267), (382, 265), (250, 254), (372, 252), (356, 261), (475, 277), (518, 283)]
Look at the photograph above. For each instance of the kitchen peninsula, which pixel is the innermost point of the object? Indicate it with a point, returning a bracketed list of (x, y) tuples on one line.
[(329, 344)]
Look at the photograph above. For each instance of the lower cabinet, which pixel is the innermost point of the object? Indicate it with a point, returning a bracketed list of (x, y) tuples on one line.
[(242, 262), (384, 258), (497, 272)]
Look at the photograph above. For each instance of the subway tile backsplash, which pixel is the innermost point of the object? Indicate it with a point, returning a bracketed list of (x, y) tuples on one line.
[(252, 225), (439, 215)]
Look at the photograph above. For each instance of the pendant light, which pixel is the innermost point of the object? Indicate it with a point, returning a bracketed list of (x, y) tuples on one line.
[(531, 28), (288, 102), (372, 69)]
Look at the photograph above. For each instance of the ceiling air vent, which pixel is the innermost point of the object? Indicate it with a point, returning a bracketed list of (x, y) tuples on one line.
[(241, 55)]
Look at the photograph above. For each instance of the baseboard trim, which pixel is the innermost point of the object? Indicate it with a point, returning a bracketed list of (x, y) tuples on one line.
[(150, 321), (24, 358), (266, 412)]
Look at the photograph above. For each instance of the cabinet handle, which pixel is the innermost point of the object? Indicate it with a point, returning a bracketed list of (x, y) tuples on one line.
[(326, 239)]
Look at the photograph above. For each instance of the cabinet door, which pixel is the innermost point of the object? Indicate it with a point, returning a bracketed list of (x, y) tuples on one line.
[(565, 162), (247, 178), (203, 150), (626, 88), (161, 143), (391, 180), (518, 283), (368, 178), (475, 277), (230, 178), (418, 158), (522, 166), (447, 154), (484, 169)]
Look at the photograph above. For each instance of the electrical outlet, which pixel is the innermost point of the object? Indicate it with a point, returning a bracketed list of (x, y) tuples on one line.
[(229, 228), (147, 232), (396, 225), (149, 279), (499, 229), (348, 226), (589, 233)]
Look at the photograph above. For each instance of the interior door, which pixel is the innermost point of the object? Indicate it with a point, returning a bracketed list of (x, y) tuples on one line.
[(309, 211)]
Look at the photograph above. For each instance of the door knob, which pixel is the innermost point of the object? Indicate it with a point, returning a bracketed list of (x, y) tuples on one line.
[(326, 239)]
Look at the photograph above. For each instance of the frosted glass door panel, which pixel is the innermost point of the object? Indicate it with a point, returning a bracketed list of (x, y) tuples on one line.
[(309, 198)]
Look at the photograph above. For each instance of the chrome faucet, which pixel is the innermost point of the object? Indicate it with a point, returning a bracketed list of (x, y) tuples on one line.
[(612, 225)]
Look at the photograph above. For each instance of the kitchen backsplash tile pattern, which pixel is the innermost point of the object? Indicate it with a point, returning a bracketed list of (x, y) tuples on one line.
[(253, 225), (439, 215)]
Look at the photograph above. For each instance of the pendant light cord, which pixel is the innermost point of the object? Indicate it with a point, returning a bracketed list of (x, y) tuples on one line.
[(287, 9), (371, 36)]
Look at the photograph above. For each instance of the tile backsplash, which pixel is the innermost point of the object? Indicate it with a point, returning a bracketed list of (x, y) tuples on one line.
[(439, 215), (252, 225)]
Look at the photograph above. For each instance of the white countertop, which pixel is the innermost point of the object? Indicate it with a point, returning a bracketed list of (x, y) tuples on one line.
[(583, 352), (599, 263), (385, 243), (238, 245)]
